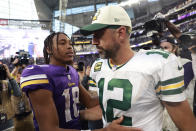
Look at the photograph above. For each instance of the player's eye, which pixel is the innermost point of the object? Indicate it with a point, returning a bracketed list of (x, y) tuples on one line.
[(98, 34), (164, 47), (62, 43)]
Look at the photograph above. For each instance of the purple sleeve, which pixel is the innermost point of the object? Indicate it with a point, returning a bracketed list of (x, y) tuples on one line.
[(34, 77), (188, 73)]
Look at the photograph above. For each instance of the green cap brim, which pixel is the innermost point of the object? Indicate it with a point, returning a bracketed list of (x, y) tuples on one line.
[(89, 29)]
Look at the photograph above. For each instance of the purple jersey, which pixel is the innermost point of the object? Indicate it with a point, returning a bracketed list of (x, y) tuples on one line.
[(63, 83)]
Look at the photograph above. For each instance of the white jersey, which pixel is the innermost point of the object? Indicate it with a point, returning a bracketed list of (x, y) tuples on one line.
[(168, 124), (134, 90), (189, 92), (193, 55)]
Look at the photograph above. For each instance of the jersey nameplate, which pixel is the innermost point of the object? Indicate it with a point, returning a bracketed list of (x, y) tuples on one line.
[(98, 66)]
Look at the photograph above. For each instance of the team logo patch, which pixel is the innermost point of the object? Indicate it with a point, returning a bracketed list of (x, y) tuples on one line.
[(98, 66), (116, 19), (71, 84), (96, 15)]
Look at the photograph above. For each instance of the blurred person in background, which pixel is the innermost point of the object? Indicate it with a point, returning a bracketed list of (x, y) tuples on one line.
[(86, 78), (193, 55), (171, 45), (84, 74), (23, 120), (95, 124), (8, 88), (81, 70), (75, 65), (17, 66), (85, 81), (188, 42), (54, 89)]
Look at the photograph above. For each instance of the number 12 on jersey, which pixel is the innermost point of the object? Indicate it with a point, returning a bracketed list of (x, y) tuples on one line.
[(123, 105)]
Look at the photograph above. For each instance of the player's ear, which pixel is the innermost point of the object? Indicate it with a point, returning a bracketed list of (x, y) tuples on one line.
[(122, 32), (49, 51), (175, 48)]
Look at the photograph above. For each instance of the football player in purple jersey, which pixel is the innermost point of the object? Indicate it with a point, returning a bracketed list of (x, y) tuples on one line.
[(54, 89)]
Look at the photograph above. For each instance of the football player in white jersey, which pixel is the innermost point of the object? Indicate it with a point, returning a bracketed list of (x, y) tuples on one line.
[(139, 85), (184, 40)]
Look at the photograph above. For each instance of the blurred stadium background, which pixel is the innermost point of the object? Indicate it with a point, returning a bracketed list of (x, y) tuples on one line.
[(24, 24)]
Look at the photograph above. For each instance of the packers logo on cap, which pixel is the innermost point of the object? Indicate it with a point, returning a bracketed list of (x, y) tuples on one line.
[(97, 66), (96, 15)]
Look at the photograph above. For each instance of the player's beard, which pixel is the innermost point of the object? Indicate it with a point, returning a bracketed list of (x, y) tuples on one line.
[(111, 52), (105, 54)]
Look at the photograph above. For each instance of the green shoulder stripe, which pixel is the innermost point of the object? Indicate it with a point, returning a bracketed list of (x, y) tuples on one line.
[(172, 81)]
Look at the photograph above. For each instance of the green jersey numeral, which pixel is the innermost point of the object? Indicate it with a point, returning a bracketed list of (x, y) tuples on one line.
[(123, 105)]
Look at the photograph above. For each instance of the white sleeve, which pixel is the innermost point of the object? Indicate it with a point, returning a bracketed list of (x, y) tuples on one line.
[(193, 55), (92, 81), (171, 83)]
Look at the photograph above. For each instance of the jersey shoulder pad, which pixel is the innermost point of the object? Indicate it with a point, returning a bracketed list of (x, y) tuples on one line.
[(33, 70), (160, 55), (33, 75)]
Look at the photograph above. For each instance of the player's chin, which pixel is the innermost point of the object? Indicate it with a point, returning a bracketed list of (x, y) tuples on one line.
[(69, 61), (103, 55)]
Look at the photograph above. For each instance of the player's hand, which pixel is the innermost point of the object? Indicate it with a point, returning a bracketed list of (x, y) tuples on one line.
[(115, 126), (7, 71), (88, 70), (15, 61)]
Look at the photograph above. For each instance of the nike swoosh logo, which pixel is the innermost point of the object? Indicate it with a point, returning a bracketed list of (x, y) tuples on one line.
[(180, 68), (30, 68)]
